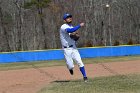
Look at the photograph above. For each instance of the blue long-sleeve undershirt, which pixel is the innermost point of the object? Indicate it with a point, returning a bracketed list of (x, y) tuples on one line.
[(70, 30)]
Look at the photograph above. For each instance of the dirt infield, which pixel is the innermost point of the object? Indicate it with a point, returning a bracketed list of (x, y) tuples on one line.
[(31, 80)]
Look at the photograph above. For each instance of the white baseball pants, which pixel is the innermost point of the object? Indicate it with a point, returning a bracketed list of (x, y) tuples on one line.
[(70, 55)]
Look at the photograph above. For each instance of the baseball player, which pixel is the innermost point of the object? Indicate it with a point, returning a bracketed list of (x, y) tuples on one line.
[(68, 37)]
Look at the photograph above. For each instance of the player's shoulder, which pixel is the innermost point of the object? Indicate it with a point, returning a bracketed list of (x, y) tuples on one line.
[(64, 26)]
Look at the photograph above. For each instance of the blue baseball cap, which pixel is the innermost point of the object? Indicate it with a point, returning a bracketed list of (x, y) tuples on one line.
[(66, 16)]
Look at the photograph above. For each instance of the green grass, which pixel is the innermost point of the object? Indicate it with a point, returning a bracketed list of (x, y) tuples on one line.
[(25, 65), (112, 84)]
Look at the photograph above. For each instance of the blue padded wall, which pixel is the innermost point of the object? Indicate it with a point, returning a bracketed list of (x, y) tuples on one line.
[(58, 54)]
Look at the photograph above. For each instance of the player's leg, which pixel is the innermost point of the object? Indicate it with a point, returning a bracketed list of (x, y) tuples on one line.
[(69, 61), (76, 56)]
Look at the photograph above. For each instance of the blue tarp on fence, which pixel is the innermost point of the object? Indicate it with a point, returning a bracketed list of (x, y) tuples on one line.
[(58, 54)]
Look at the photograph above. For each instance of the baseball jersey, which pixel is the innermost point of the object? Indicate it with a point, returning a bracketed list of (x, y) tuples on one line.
[(64, 36)]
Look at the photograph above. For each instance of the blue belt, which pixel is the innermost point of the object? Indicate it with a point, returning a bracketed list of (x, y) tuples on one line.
[(68, 46)]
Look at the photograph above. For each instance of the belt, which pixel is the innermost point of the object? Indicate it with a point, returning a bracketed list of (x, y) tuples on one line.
[(68, 46)]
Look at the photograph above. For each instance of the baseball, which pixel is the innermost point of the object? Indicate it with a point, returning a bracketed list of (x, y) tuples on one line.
[(107, 5)]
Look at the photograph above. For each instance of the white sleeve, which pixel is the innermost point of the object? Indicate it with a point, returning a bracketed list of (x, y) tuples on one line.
[(63, 28)]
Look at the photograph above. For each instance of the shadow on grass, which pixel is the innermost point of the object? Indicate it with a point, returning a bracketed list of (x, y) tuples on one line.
[(69, 81), (61, 81)]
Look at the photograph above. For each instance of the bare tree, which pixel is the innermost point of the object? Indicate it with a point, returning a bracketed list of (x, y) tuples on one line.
[(35, 24), (4, 34)]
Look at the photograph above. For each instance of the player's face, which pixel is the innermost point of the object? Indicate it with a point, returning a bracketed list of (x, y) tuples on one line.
[(69, 20)]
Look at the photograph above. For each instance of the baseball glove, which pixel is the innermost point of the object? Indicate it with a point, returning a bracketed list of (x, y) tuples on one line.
[(75, 35)]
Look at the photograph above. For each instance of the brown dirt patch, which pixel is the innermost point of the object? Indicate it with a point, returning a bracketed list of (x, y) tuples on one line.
[(32, 80)]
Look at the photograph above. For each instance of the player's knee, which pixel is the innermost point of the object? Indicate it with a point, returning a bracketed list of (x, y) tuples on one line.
[(70, 67), (80, 64)]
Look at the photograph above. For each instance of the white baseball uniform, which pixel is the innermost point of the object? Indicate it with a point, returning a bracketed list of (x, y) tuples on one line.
[(70, 50)]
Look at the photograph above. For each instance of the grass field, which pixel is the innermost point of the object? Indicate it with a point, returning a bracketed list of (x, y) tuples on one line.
[(24, 65), (112, 84)]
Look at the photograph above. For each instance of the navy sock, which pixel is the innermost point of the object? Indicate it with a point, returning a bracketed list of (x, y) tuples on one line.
[(82, 69)]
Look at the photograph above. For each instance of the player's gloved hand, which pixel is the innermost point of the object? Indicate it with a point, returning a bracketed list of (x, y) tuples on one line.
[(75, 35)]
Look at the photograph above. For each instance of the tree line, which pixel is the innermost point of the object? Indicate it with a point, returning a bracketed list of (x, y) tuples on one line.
[(34, 24)]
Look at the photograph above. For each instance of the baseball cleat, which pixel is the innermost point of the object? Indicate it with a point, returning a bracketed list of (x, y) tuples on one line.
[(71, 71), (85, 79)]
